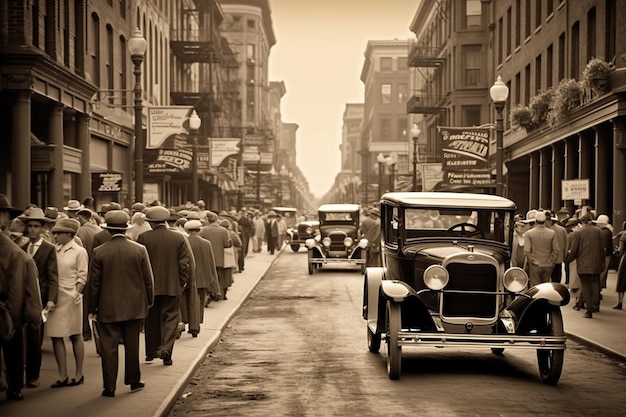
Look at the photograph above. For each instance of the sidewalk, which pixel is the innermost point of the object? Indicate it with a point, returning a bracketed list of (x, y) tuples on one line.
[(164, 384), (605, 332)]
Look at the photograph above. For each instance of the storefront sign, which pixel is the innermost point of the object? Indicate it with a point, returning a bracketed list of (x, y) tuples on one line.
[(469, 178), (464, 148), (575, 189), (106, 182), (168, 161), (222, 148), (167, 126)]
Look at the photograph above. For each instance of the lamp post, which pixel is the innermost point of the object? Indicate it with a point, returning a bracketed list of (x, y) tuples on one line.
[(415, 133), (137, 48), (194, 125), (390, 161), (281, 174), (499, 92), (380, 159), (258, 181)]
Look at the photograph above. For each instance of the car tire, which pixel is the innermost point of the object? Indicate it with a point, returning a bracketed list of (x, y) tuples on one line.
[(394, 349), (373, 340), (310, 261), (551, 361), (295, 247), (497, 351)]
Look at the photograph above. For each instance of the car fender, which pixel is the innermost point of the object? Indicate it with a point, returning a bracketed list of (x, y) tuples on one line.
[(363, 243), (547, 293), (310, 243), (317, 252), (371, 292)]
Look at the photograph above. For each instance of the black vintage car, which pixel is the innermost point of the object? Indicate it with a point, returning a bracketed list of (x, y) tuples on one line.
[(447, 283), (338, 240), (298, 234)]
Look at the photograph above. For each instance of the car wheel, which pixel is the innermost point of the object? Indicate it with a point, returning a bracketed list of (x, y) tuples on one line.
[(551, 361), (373, 340), (497, 351), (394, 350), (295, 247), (311, 264)]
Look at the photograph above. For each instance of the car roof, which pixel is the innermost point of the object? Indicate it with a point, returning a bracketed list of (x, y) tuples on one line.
[(447, 199), (339, 207)]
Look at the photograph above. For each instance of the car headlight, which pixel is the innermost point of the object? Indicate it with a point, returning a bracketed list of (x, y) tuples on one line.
[(515, 279), (348, 242), (326, 241), (436, 277), (318, 238), (309, 230)]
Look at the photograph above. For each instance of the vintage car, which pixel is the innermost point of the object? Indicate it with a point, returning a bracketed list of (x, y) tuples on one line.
[(338, 240), (297, 235), (446, 282)]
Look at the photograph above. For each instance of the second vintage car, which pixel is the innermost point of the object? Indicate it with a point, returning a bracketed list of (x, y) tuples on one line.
[(338, 240), (447, 283), (298, 234)]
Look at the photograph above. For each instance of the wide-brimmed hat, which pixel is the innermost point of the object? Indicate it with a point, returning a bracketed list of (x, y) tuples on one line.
[(66, 225), (116, 220), (6, 206), (530, 216), (193, 225), (157, 214), (85, 212), (211, 216), (73, 205), (138, 207), (51, 213), (34, 214), (602, 219)]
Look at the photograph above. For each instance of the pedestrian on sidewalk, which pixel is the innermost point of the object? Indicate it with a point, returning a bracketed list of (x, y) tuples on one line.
[(620, 286), (561, 238), (541, 250), (220, 240), (19, 296), (67, 318), (45, 256), (259, 232), (588, 250), (607, 233), (206, 274), (121, 289), (170, 266)]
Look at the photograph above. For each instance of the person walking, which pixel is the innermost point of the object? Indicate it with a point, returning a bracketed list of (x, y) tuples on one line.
[(170, 266), (206, 273), (560, 233), (259, 232), (620, 285), (45, 256), (607, 234), (19, 299), (86, 232), (220, 240), (588, 251), (66, 320), (518, 258), (230, 258), (370, 230), (121, 290), (271, 230), (541, 249)]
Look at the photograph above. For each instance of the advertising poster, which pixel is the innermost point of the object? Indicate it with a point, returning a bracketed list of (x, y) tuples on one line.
[(167, 126), (464, 148)]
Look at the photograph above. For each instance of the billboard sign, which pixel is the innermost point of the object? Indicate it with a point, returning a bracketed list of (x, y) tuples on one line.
[(168, 126)]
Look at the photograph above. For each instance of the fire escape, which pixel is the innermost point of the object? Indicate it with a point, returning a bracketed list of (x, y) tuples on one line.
[(428, 63)]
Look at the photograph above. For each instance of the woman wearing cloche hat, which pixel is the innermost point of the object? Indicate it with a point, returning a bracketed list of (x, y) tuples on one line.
[(67, 318)]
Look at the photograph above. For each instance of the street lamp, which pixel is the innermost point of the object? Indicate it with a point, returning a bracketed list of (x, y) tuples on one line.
[(194, 125), (281, 174), (137, 49), (415, 133), (258, 180), (380, 159), (499, 93), (390, 161)]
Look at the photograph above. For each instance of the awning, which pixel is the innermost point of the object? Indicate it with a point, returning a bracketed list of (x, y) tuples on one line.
[(222, 181)]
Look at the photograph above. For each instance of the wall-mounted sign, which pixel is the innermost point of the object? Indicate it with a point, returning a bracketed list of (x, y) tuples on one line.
[(106, 182), (167, 126), (575, 189), (464, 148)]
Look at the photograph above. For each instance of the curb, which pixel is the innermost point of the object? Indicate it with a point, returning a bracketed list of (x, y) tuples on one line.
[(613, 354)]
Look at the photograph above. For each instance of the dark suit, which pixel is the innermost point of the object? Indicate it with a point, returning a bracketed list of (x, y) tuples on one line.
[(206, 273), (588, 250), (120, 292), (46, 261), (170, 266)]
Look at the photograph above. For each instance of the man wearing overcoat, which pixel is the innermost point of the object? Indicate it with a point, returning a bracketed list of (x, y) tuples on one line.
[(170, 265), (220, 239), (120, 292)]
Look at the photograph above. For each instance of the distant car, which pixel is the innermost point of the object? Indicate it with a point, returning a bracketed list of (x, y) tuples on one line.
[(447, 282), (338, 240), (302, 231)]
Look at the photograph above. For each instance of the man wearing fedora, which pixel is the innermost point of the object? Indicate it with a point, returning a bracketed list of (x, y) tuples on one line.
[(170, 265), (121, 290), (72, 208), (19, 295), (44, 254)]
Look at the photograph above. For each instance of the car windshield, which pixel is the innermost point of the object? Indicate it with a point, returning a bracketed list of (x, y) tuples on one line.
[(479, 224), (336, 217)]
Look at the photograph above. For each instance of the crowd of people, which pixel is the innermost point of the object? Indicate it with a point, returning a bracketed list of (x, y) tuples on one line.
[(576, 249), (108, 275)]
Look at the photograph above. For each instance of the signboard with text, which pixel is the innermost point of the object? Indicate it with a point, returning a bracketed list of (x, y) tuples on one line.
[(575, 189), (106, 182), (167, 126), (464, 148)]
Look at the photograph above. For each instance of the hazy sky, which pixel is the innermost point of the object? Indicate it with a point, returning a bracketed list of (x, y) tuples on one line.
[(319, 56)]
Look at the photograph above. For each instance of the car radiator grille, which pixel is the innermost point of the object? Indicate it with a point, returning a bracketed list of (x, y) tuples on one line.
[(336, 242), (470, 278)]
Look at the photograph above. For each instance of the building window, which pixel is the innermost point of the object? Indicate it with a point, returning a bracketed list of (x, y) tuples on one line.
[(537, 13), (472, 13), (403, 93), (517, 98), (472, 56), (251, 24), (110, 64), (402, 63), (561, 68), (470, 115), (385, 64), (123, 9), (500, 39), (549, 7), (575, 54), (527, 84), (385, 129), (591, 33), (509, 37), (538, 73), (403, 129), (385, 93), (527, 18), (549, 64), (250, 52), (518, 23)]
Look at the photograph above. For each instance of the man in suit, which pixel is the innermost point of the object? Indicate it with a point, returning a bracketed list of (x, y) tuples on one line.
[(220, 239), (541, 250), (588, 250), (44, 254), (271, 228), (170, 265), (120, 292), (19, 294)]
